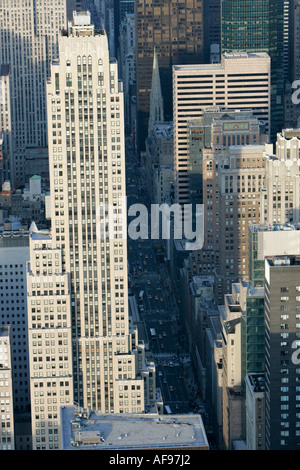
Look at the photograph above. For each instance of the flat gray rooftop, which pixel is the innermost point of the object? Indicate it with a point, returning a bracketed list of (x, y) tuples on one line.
[(132, 431)]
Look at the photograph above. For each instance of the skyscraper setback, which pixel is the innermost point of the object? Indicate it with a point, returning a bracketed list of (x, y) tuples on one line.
[(88, 273)]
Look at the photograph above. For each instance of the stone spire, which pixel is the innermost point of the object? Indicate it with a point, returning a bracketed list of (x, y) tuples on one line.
[(156, 99)]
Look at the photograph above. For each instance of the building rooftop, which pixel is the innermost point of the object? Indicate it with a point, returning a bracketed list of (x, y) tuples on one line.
[(203, 282), (41, 235), (273, 227), (225, 56), (81, 18), (163, 129), (14, 238), (289, 133), (257, 382), (244, 55), (255, 291), (284, 260), (92, 430)]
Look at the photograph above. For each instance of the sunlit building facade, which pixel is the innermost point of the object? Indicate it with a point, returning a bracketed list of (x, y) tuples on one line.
[(102, 364)]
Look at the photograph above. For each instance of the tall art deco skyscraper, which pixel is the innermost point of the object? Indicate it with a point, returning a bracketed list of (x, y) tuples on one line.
[(98, 361)]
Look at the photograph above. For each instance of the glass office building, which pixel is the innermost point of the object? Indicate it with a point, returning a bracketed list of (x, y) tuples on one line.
[(258, 26), (245, 25)]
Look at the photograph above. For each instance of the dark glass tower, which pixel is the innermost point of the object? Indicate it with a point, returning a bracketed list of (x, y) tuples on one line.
[(257, 26), (175, 30), (245, 25)]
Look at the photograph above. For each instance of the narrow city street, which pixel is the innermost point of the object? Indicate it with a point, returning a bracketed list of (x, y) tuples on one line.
[(156, 306)]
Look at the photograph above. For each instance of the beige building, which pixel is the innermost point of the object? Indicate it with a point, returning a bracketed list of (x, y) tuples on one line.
[(50, 340), (240, 81), (280, 200), (225, 148), (230, 317), (209, 140), (240, 183), (6, 391), (29, 41), (102, 361)]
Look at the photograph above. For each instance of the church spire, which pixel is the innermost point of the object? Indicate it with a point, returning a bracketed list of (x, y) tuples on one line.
[(156, 99)]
